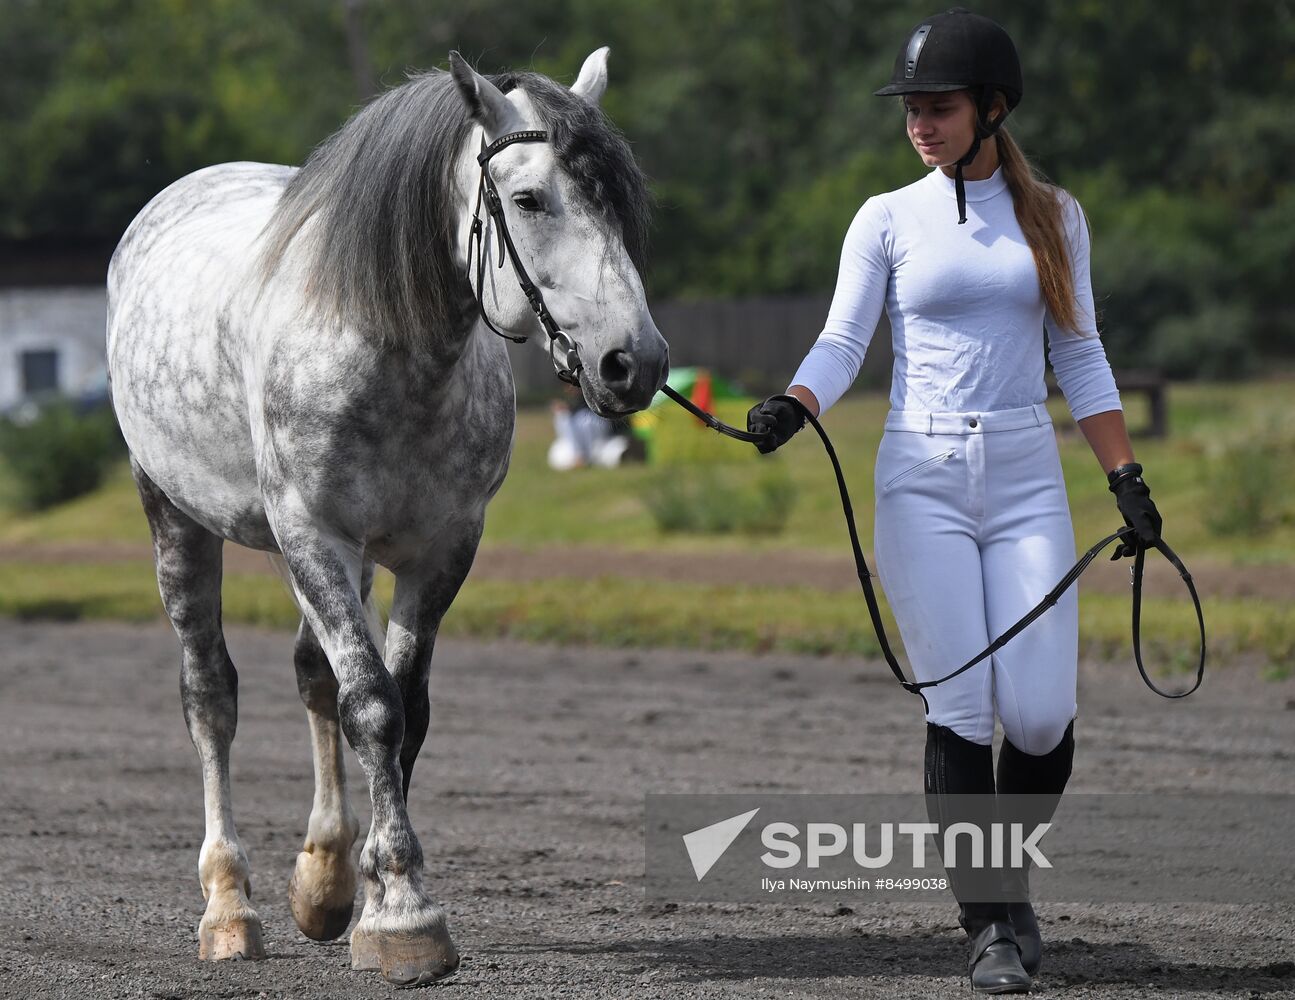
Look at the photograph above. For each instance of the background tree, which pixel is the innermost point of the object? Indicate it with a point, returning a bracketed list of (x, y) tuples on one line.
[(754, 118)]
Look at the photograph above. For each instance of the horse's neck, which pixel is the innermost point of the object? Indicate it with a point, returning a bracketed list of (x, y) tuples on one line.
[(451, 351)]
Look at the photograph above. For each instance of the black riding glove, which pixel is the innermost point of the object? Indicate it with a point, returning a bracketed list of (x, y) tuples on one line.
[(778, 417), (1133, 498)]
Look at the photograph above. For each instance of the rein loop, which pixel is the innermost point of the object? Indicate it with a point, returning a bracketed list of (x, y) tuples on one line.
[(1049, 600)]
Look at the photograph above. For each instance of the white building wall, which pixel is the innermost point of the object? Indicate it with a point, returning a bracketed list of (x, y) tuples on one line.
[(70, 320)]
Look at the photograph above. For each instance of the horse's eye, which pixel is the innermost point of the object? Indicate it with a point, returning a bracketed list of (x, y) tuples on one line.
[(526, 201)]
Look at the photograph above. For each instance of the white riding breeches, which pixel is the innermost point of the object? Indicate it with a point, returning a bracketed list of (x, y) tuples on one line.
[(972, 530)]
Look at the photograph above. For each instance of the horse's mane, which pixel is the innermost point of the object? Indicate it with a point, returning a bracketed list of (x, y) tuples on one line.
[(378, 253)]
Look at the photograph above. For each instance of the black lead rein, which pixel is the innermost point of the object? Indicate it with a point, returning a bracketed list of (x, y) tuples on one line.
[(874, 608), (567, 367)]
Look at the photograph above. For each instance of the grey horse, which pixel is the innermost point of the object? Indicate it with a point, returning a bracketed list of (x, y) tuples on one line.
[(298, 363)]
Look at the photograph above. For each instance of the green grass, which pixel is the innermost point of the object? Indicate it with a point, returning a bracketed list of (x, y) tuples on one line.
[(626, 613), (127, 591), (111, 513), (537, 507)]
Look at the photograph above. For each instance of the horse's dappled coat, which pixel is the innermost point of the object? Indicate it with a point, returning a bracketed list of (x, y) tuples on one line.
[(297, 366)]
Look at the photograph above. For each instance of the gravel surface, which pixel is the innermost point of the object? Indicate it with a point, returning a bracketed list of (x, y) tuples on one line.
[(529, 800)]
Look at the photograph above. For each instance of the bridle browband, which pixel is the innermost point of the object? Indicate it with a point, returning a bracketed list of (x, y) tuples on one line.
[(566, 365)]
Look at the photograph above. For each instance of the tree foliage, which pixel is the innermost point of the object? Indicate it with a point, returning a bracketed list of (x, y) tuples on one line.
[(754, 118)]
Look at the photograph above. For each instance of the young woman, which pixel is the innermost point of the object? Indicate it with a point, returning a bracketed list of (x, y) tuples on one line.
[(973, 263)]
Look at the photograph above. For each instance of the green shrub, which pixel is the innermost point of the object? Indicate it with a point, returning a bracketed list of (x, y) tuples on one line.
[(677, 438), (57, 456), (1249, 485), (1215, 343), (713, 501)]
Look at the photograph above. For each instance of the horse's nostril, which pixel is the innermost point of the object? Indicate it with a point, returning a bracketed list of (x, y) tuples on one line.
[(616, 368)]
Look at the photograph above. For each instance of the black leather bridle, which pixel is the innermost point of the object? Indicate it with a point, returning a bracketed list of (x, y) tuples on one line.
[(562, 349)]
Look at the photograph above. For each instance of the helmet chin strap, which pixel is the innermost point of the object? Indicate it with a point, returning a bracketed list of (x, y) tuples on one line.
[(984, 130), (959, 185)]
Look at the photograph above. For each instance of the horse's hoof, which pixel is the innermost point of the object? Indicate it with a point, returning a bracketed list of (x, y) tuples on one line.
[(322, 897), (364, 951), (231, 939), (405, 959), (416, 960)]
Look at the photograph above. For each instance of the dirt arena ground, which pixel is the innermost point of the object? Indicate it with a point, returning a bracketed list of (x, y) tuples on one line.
[(529, 799)]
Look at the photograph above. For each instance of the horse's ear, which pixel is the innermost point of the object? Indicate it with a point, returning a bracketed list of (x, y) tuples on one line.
[(486, 103), (592, 80)]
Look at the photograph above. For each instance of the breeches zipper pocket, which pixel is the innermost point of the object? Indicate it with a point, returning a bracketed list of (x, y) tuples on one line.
[(919, 468)]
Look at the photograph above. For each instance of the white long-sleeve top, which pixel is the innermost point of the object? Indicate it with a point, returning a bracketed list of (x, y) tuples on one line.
[(967, 315)]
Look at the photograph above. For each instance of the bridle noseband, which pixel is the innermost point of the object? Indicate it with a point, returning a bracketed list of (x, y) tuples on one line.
[(562, 349)]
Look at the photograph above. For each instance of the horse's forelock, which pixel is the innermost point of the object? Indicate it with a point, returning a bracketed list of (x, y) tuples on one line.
[(593, 152)]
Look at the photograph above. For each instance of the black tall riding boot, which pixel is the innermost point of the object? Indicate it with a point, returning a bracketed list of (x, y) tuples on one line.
[(1042, 779), (959, 784)]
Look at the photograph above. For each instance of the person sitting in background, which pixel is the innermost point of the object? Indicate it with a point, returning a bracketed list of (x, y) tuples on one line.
[(583, 437)]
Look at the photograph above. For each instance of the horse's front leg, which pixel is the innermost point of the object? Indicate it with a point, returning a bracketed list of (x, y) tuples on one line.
[(408, 936), (423, 594), (322, 891)]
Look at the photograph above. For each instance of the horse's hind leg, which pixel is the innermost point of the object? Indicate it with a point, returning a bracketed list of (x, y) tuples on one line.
[(188, 576), (322, 891)]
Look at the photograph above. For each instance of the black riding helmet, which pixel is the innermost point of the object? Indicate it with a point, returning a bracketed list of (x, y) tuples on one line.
[(959, 50)]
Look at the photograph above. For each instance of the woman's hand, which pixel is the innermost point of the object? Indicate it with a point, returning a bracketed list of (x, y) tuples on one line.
[(778, 418), (1133, 497)]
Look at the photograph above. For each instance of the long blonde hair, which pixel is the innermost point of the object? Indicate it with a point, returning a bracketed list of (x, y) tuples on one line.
[(1038, 207)]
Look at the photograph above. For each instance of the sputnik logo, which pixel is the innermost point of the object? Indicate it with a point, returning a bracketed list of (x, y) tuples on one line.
[(707, 845)]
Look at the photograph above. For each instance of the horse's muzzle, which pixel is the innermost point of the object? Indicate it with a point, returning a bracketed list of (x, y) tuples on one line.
[(627, 381)]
